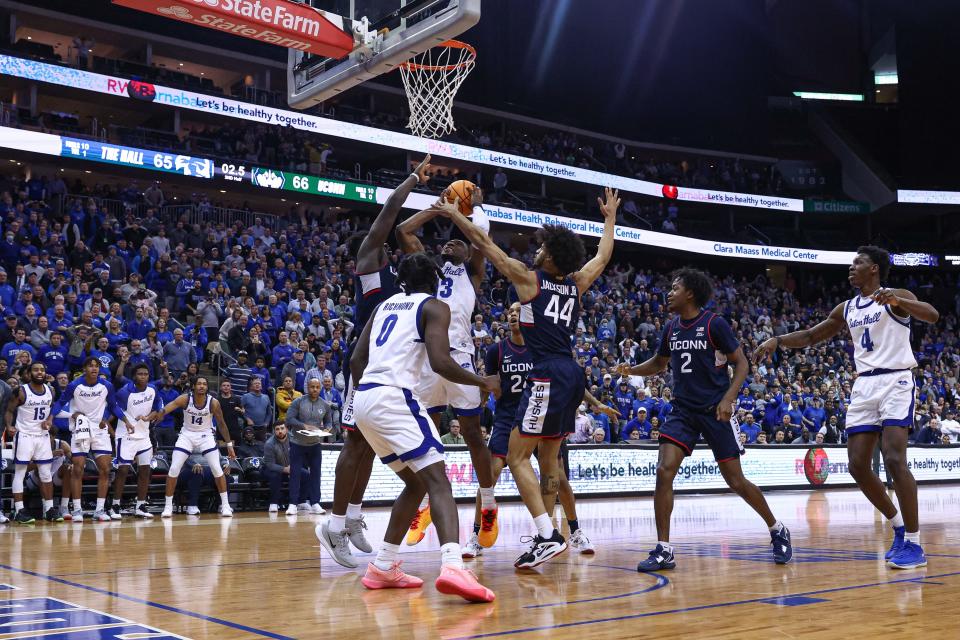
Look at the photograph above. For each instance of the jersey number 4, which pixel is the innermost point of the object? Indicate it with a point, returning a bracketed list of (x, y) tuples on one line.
[(554, 311), (865, 340)]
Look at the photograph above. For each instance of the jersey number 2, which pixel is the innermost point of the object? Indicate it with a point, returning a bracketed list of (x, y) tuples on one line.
[(865, 340), (554, 311), (516, 384)]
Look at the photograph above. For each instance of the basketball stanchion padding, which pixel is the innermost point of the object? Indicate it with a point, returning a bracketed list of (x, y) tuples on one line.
[(431, 81)]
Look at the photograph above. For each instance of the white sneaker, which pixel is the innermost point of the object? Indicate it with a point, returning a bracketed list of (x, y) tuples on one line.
[(114, 514), (141, 512), (167, 512), (580, 542), (76, 516), (273, 508), (292, 510), (472, 549), (303, 506), (101, 516), (226, 511), (318, 510), (193, 511), (3, 519)]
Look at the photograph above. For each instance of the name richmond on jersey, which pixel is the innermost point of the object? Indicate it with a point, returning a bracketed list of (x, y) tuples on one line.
[(398, 306)]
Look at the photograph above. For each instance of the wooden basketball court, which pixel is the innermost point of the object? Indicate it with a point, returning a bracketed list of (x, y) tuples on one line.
[(263, 577)]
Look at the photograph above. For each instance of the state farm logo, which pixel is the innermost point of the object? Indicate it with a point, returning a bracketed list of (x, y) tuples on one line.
[(177, 12)]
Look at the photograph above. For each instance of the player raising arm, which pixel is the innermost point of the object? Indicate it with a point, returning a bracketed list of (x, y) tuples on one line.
[(883, 393), (550, 308)]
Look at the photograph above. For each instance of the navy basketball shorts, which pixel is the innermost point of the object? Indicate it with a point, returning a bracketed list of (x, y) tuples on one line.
[(548, 406), (503, 423), (684, 427)]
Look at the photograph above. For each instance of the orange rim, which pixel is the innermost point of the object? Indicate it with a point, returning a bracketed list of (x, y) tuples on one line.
[(450, 44)]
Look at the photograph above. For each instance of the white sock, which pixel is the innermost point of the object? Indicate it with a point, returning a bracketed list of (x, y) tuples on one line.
[(666, 546), (450, 555), (487, 500), (224, 500), (425, 502), (76, 505), (912, 537), (776, 528), (337, 523), (168, 502), (47, 505), (353, 511), (544, 525), (101, 503), (386, 556), (897, 520), (140, 502), (18, 506), (64, 503)]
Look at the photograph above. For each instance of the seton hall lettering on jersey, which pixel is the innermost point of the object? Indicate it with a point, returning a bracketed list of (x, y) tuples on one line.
[(881, 339)]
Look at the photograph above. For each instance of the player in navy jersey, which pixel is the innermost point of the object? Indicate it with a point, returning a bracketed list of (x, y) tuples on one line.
[(377, 282), (884, 392), (550, 308), (699, 346), (511, 359)]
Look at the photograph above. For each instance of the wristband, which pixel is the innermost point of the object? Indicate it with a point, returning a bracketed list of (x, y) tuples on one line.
[(230, 444), (416, 176)]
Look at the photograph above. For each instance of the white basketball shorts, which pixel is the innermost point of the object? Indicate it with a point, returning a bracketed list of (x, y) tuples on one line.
[(32, 447), (130, 449), (191, 442), (883, 400), (397, 427), (437, 392)]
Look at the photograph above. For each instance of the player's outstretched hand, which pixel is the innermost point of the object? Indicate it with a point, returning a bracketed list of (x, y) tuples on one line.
[(766, 348), (610, 412), (886, 297), (622, 370), (491, 384), (422, 170), (610, 203), (444, 207)]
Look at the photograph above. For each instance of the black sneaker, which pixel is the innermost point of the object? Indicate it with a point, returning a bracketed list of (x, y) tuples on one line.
[(542, 550), (782, 546), (22, 517), (53, 515), (658, 560)]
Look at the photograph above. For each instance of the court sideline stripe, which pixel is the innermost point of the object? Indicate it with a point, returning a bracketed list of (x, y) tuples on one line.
[(717, 605), (164, 607)]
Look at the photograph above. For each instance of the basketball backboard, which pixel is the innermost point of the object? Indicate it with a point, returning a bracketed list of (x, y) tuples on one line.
[(386, 33)]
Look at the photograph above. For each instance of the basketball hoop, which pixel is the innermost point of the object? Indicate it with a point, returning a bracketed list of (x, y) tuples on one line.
[(431, 80)]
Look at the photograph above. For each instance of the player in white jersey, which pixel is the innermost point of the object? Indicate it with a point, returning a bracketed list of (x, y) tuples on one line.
[(88, 402), (883, 394), (60, 471), (198, 436), (461, 275), (32, 408), (405, 330), (137, 404)]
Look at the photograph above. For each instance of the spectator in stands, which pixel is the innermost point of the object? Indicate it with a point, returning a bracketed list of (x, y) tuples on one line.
[(296, 369), (803, 438), (453, 436), (232, 409), (749, 426), (179, 354), (259, 370), (248, 446), (239, 373), (639, 423), (950, 427), (582, 427), (331, 395), (599, 436), (276, 464), (633, 436), (762, 438), (307, 413), (257, 411), (499, 185), (780, 437), (930, 434)]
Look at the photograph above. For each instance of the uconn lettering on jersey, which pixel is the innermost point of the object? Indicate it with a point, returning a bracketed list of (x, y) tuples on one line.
[(873, 318), (687, 345), (515, 367)]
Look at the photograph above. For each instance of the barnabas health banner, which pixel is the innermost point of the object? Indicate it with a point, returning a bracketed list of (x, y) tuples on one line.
[(598, 470)]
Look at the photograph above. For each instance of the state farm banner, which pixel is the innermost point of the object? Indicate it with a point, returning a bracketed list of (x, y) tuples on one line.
[(285, 24)]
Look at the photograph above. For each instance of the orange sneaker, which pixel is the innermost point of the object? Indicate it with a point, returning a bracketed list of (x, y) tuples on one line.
[(394, 578), (419, 525), (463, 583), (489, 527)]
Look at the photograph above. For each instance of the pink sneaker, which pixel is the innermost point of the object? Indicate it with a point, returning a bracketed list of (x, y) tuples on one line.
[(393, 579), (463, 583)]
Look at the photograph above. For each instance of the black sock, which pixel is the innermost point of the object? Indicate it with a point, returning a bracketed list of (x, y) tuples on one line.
[(574, 525), (476, 528)]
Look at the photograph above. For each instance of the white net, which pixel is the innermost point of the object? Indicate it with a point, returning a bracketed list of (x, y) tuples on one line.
[(431, 80)]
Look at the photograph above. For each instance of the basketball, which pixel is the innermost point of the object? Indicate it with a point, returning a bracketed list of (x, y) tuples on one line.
[(462, 189)]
